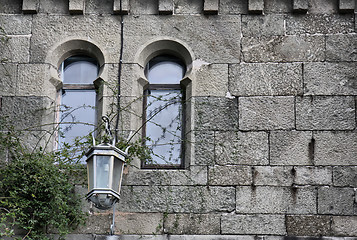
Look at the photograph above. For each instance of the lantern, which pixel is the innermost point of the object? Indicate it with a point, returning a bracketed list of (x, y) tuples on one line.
[(105, 165)]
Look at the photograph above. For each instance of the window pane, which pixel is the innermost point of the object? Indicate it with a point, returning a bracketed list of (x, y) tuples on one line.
[(80, 72), (164, 126), (165, 72)]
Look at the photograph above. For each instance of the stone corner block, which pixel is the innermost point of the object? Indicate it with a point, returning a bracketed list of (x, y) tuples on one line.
[(123, 9), (300, 6), (210, 7), (76, 6), (165, 7), (256, 6), (30, 6), (346, 6)]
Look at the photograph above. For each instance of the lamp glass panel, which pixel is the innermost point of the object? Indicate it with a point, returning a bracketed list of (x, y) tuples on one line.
[(102, 171), (90, 173), (118, 169)]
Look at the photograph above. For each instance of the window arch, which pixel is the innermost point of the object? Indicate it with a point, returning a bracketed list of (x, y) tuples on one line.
[(77, 97), (163, 114)]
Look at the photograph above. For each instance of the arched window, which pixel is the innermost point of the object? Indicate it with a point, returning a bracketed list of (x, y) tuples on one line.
[(163, 112), (78, 97)]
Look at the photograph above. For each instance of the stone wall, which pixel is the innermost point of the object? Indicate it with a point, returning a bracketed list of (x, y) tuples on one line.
[(272, 150)]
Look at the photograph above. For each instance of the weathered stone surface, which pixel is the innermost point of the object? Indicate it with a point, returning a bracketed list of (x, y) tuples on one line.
[(255, 6), (203, 147), (297, 200), (242, 148), (319, 24), (253, 224), (336, 148), (192, 224), (272, 176), (336, 201), (309, 225), (266, 113), (196, 175), (233, 7), (54, 6), (31, 79), (290, 148), (283, 48), (313, 175), (341, 47), (96, 222), (265, 79), (138, 223), (165, 7), (182, 237), (325, 113), (177, 199), (210, 6), (346, 6), (330, 78), (267, 25), (99, 6), (345, 176), (15, 49), (76, 6), (277, 6), (125, 7), (211, 80), (48, 31), (30, 6), (188, 6), (208, 112), (229, 175), (16, 24), (11, 7), (8, 79), (323, 6), (344, 226), (214, 39), (300, 6)]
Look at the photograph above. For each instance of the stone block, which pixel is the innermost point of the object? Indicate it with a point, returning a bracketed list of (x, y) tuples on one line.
[(319, 24), (54, 7), (229, 175), (276, 200), (267, 25), (143, 7), (325, 113), (345, 226), (253, 224), (345, 176), (203, 148), (265, 79), (99, 7), (210, 6), (272, 176), (166, 6), (31, 80), (76, 6), (323, 6), (16, 24), (256, 6), (346, 6), (196, 175), (233, 7), (211, 80), (313, 175), (300, 6), (305, 48), (138, 223), (266, 113), (98, 223), (192, 224), (290, 148), (177, 199), (12, 7), (308, 225), (277, 6), (214, 39), (8, 79), (335, 148), (330, 78), (341, 48), (242, 148), (335, 201), (188, 6), (123, 9), (209, 112), (15, 49), (48, 29)]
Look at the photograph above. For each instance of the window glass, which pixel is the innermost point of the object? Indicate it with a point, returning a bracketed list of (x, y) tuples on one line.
[(80, 72), (163, 111)]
